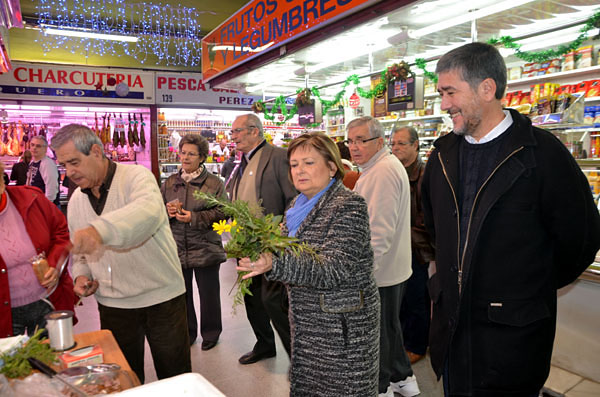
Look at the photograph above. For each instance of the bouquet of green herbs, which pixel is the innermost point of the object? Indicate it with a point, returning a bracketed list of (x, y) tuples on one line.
[(251, 234), (15, 362)]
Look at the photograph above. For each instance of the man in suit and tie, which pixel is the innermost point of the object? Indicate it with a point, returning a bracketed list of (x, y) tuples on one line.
[(261, 179)]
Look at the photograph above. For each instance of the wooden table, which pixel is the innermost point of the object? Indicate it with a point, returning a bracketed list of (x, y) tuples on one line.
[(110, 348)]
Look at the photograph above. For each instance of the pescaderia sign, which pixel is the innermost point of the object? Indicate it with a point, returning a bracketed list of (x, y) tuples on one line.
[(188, 89), (74, 84), (262, 25)]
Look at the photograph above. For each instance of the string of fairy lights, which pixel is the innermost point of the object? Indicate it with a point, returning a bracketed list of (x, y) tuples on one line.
[(170, 33)]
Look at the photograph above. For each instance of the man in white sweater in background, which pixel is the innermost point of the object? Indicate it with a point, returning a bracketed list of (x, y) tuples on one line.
[(384, 185), (125, 253)]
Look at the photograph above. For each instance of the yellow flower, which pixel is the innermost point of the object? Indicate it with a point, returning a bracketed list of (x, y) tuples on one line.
[(221, 227), (235, 224)]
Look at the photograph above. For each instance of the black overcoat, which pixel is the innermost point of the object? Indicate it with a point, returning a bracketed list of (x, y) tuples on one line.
[(533, 228)]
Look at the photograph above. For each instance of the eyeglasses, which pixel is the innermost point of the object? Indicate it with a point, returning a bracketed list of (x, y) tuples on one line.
[(358, 142), (188, 154), (238, 130), (393, 143), (36, 145)]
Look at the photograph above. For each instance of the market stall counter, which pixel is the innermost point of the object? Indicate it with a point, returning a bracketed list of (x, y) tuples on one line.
[(111, 351)]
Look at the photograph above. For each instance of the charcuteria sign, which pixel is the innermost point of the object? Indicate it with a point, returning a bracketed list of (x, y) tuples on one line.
[(262, 25), (72, 83)]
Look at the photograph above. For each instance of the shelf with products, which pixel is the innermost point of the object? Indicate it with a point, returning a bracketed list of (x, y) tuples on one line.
[(415, 118), (592, 71)]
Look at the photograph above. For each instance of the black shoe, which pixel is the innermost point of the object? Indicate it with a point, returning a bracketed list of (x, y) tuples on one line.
[(252, 357), (208, 344)]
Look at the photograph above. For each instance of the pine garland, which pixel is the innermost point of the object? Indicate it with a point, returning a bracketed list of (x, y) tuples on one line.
[(420, 63), (390, 74), (545, 55)]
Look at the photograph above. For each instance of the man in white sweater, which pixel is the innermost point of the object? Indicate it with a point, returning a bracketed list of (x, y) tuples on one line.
[(384, 185), (125, 253)]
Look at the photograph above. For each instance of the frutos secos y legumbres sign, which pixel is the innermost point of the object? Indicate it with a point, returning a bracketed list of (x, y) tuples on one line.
[(266, 24), (187, 89), (73, 83)]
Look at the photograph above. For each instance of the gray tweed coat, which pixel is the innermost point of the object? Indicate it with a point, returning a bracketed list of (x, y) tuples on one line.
[(334, 303)]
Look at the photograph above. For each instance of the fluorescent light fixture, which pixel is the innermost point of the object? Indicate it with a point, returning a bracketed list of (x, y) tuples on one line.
[(238, 48), (35, 107), (554, 38), (88, 34), (28, 112), (467, 17), (551, 23), (548, 40)]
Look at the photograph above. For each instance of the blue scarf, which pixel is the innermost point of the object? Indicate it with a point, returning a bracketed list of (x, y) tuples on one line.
[(295, 215)]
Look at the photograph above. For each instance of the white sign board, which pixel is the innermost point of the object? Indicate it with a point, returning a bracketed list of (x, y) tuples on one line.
[(187, 89), (77, 84)]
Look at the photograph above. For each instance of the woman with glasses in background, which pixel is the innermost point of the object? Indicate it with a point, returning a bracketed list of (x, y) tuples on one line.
[(200, 248)]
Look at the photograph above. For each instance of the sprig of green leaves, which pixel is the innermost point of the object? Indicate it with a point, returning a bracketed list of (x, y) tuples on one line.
[(16, 364), (252, 234)]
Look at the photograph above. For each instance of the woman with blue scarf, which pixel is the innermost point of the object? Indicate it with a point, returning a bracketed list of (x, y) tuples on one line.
[(334, 303)]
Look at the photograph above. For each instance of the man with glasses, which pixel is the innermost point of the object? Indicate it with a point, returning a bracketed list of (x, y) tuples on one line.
[(125, 254), (384, 185), (42, 171), (262, 180), (416, 305)]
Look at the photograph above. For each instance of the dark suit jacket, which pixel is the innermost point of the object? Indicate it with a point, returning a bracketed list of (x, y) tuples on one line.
[(275, 190)]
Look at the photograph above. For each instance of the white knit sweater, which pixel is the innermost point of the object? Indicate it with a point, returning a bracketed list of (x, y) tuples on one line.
[(138, 266), (384, 184)]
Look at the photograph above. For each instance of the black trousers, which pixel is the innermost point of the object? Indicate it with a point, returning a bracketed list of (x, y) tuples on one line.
[(207, 280), (29, 317), (165, 327), (394, 364), (415, 313), (269, 302)]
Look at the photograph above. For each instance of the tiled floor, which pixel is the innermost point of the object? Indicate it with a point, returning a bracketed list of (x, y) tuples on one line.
[(565, 383), (267, 378)]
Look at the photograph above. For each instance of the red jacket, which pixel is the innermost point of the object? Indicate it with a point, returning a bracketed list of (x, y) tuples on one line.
[(49, 232)]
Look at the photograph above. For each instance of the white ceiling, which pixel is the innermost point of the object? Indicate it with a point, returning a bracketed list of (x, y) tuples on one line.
[(349, 53)]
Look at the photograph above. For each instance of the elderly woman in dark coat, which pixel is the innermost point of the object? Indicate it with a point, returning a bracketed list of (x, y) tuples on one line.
[(334, 303), (200, 248)]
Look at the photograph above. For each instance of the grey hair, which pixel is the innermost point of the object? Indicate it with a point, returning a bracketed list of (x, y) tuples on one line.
[(82, 136), (374, 126), (476, 62), (413, 135), (252, 120), (41, 138), (198, 140)]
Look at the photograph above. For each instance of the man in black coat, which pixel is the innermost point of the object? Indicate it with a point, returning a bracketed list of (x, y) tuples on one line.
[(513, 220), (261, 178)]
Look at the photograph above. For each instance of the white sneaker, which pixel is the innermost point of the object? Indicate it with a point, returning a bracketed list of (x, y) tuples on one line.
[(407, 387), (388, 393)]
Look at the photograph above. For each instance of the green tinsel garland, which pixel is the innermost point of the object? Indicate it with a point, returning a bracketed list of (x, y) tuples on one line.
[(545, 55), (420, 63), (278, 103), (381, 87)]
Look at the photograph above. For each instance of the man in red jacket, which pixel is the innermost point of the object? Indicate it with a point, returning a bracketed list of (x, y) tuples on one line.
[(29, 225)]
